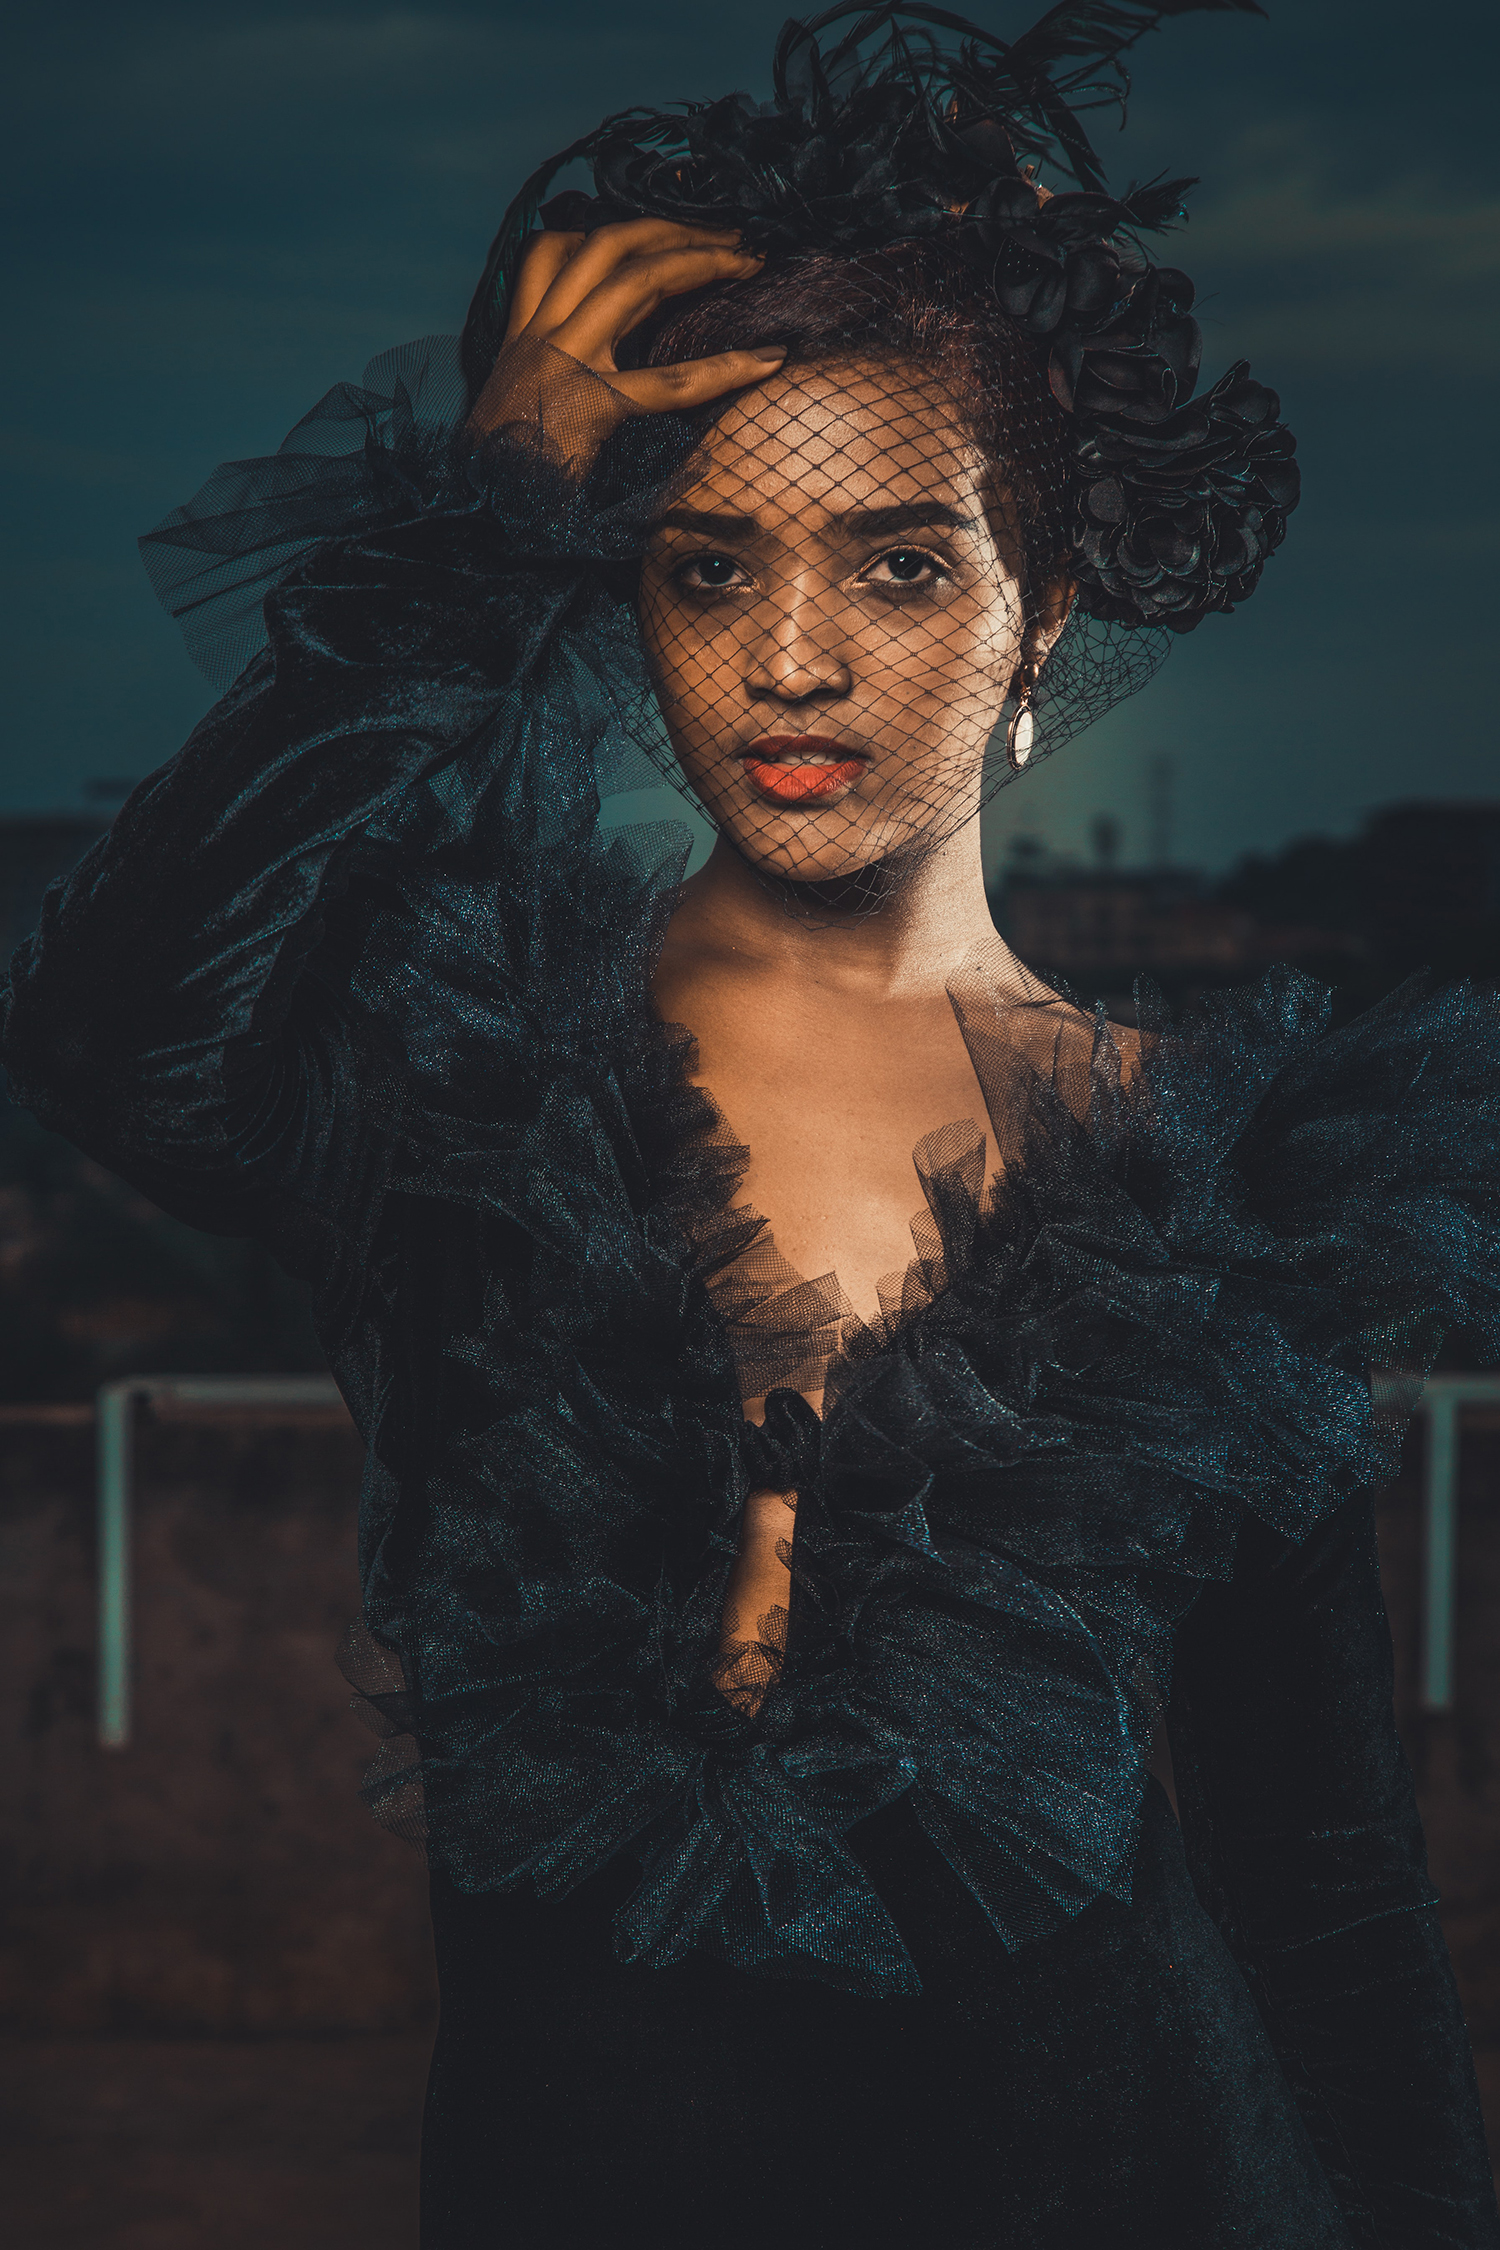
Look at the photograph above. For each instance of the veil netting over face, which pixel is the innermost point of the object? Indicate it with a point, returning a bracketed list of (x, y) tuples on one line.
[(965, 518)]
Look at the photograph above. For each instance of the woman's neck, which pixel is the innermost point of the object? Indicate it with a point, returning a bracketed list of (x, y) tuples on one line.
[(843, 936)]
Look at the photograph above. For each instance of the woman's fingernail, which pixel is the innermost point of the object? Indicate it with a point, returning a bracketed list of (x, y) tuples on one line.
[(768, 351)]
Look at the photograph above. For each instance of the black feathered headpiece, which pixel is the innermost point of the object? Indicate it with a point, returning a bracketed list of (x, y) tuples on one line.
[(893, 135)]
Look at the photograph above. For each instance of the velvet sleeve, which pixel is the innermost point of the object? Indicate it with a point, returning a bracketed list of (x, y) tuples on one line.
[(1304, 1840), (227, 1000)]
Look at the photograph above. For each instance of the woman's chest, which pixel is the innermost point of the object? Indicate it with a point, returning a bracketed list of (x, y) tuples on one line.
[(832, 1105)]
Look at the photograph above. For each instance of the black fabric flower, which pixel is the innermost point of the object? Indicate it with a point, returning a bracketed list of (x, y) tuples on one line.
[(1179, 501), (894, 136), (1178, 506)]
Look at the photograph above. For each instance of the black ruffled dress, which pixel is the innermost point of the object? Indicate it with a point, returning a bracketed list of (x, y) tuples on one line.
[(918, 1954)]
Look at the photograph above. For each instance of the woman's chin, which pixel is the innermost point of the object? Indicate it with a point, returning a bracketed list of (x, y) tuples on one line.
[(815, 847), (839, 839)]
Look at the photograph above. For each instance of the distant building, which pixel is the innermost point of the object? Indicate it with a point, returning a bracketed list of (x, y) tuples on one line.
[(1418, 887), (1099, 929)]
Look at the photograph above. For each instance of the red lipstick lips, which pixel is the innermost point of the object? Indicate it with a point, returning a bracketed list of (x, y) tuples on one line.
[(803, 782)]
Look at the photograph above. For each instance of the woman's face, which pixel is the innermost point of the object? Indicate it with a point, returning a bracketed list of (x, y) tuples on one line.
[(834, 617)]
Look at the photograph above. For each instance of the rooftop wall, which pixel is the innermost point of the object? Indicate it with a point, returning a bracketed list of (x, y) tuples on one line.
[(220, 1875)]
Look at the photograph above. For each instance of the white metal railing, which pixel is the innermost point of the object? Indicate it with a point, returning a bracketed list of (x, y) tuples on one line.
[(115, 1436), (1441, 1402)]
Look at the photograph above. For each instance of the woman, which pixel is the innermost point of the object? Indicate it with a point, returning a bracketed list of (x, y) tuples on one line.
[(785, 1620)]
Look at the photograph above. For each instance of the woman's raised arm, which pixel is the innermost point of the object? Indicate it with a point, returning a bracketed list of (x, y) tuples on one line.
[(196, 1008), (226, 1000)]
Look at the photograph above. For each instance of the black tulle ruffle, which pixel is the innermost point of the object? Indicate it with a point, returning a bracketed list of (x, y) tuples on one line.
[(1166, 1322), (1161, 1328)]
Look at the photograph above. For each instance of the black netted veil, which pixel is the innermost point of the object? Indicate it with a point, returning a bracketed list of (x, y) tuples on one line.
[(845, 680), (894, 185), (839, 599)]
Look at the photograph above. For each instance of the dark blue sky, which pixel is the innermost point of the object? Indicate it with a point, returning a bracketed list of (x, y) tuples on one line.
[(219, 211)]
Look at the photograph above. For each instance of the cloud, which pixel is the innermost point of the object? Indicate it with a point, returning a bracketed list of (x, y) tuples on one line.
[(316, 55), (185, 77), (34, 453), (58, 579), (433, 89), (1334, 276)]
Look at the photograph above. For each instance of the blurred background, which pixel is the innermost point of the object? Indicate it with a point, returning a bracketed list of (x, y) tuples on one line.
[(214, 1984)]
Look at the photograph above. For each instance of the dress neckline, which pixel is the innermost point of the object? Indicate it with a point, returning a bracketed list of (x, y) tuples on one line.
[(788, 1330)]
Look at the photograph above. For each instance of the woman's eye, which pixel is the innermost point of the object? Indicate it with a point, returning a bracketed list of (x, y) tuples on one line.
[(905, 566), (707, 573)]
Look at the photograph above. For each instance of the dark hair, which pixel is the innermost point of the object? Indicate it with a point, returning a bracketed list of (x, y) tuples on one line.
[(913, 302)]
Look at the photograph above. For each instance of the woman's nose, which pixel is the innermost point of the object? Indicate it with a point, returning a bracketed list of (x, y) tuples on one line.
[(801, 652)]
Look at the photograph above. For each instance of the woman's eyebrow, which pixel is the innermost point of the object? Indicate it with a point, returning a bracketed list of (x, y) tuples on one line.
[(858, 523), (920, 515), (709, 522)]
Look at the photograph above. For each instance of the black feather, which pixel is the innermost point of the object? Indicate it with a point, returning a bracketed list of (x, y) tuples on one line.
[(888, 88)]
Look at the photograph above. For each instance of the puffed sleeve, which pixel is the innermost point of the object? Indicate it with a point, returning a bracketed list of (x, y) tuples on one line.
[(1304, 1840), (226, 1000)]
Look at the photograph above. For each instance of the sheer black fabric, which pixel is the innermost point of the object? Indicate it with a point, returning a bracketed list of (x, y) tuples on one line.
[(359, 973)]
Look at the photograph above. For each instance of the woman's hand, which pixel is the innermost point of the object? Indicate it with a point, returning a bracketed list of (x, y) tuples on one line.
[(583, 293)]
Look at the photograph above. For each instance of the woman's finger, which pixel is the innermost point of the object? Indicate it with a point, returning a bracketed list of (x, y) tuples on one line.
[(694, 382), (627, 296), (546, 255), (608, 249)]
